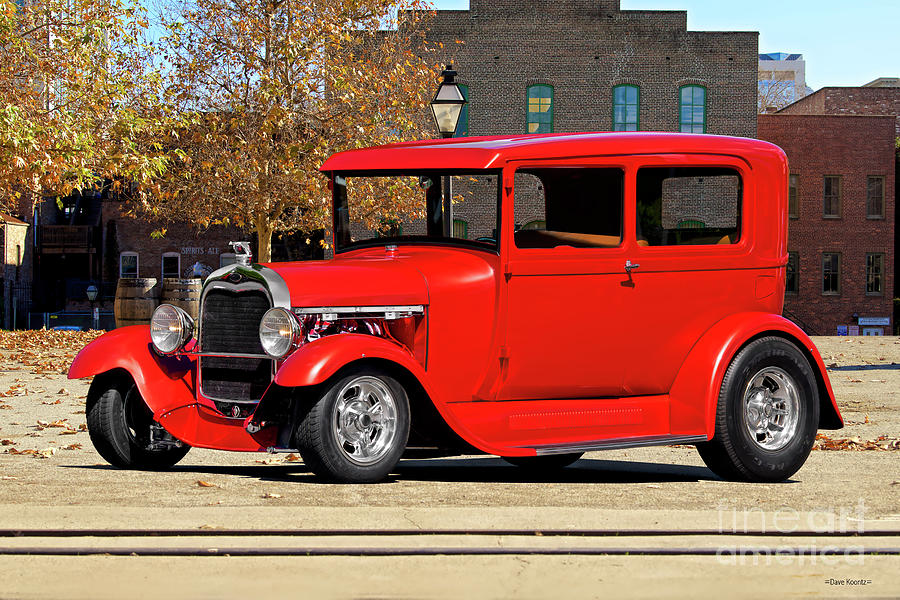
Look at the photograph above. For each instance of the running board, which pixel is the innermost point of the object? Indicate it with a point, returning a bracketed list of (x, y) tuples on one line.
[(617, 444)]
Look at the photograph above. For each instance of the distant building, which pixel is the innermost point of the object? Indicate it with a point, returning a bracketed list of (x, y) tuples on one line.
[(874, 98), (781, 80), (15, 275), (883, 82), (842, 199)]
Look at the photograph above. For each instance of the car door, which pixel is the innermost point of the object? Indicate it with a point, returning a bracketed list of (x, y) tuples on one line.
[(566, 281)]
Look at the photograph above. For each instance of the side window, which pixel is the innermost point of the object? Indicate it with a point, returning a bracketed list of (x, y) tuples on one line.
[(540, 109), (581, 208), (688, 206), (128, 265)]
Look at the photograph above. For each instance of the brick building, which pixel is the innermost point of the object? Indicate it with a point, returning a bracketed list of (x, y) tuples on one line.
[(842, 219), (538, 66), (875, 98)]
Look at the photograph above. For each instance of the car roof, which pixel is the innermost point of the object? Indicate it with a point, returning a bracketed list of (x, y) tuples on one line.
[(492, 152)]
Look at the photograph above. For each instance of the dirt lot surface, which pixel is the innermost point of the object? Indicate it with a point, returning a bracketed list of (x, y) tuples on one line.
[(50, 477)]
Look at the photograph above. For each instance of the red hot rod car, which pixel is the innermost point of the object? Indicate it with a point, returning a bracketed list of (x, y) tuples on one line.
[(573, 292)]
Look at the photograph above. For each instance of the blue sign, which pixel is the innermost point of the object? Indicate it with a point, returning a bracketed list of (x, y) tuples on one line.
[(842, 330), (874, 320)]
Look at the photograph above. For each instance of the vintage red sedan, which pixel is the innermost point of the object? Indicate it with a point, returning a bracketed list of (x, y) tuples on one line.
[(572, 293)]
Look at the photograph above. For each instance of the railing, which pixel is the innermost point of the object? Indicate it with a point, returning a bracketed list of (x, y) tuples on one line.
[(66, 236)]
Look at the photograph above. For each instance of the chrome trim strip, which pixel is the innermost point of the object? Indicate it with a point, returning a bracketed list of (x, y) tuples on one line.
[(616, 444), (389, 312), (225, 355)]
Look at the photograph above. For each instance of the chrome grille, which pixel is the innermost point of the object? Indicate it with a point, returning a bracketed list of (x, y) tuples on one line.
[(229, 322)]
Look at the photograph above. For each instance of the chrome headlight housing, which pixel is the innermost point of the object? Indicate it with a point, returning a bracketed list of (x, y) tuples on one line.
[(170, 328), (279, 332)]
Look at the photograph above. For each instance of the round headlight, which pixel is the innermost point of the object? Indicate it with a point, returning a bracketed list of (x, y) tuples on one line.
[(170, 328), (278, 332)]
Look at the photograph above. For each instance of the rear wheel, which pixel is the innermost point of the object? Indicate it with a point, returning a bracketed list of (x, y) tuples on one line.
[(357, 431), (767, 414), (549, 462), (122, 428)]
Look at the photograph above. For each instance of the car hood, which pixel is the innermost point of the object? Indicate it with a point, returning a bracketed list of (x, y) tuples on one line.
[(358, 281)]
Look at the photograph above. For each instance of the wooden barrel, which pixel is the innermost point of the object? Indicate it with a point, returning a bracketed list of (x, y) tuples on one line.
[(183, 293), (136, 299)]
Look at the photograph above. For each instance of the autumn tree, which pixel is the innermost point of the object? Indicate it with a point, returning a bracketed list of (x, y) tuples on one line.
[(260, 93), (74, 75)]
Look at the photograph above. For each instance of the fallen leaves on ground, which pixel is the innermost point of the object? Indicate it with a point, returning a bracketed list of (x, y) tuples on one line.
[(881, 443), (45, 453), (271, 495), (201, 483), (44, 351), (72, 447)]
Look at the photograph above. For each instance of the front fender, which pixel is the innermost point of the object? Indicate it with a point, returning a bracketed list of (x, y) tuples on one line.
[(165, 382), (695, 393), (317, 361)]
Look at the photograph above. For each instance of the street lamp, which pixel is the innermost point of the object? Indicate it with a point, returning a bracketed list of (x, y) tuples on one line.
[(92, 292), (447, 103), (445, 108)]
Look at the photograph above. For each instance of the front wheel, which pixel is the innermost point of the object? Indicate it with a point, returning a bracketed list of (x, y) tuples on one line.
[(767, 414), (357, 431), (122, 428)]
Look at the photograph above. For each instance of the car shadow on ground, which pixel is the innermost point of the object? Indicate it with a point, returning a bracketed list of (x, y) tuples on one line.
[(890, 367), (471, 470)]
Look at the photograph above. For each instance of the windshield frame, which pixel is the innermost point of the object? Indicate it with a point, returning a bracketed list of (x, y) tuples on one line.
[(341, 214)]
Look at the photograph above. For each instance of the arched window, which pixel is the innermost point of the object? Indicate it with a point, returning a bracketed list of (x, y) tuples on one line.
[(128, 265), (171, 264), (540, 109), (462, 126), (692, 109), (626, 108)]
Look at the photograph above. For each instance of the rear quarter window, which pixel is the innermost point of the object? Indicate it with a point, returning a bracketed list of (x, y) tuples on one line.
[(688, 206)]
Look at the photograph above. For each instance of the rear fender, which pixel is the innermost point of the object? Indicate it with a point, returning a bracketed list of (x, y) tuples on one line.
[(165, 382), (695, 393)]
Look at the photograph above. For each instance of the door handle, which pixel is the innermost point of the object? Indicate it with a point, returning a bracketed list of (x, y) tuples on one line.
[(630, 266)]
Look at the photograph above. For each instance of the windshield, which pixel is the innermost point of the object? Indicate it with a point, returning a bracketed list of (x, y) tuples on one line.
[(416, 207)]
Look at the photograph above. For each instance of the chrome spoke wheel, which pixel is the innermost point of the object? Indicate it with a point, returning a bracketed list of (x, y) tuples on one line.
[(771, 408), (365, 420)]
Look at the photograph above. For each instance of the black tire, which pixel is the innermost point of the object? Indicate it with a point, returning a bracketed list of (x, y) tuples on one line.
[(334, 431), (546, 463), (119, 423), (769, 387)]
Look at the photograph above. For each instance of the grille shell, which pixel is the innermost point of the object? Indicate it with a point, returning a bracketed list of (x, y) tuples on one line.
[(229, 323)]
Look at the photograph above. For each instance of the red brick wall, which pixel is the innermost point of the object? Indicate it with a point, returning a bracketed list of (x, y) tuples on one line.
[(853, 147), (850, 101)]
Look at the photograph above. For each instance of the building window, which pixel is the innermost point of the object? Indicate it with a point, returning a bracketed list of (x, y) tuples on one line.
[(692, 109), (793, 206), (462, 126), (226, 258), (831, 197), (875, 197), (831, 273), (875, 274), (791, 281), (128, 265), (460, 229), (540, 109), (626, 108), (171, 265)]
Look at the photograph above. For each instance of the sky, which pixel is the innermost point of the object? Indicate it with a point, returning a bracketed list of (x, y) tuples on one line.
[(843, 43)]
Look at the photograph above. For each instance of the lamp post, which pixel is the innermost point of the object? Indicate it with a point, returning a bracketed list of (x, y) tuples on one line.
[(92, 292), (446, 107)]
